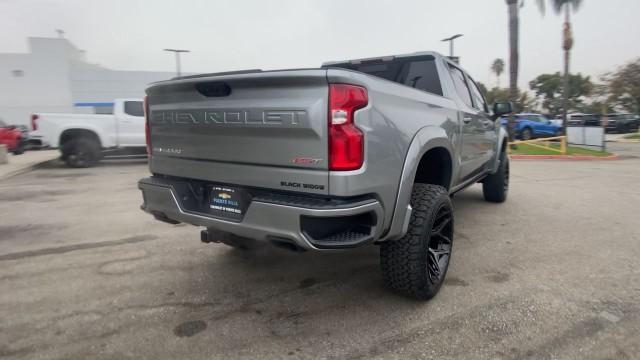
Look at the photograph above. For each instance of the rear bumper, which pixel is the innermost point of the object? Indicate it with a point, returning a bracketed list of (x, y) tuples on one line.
[(36, 139), (309, 223)]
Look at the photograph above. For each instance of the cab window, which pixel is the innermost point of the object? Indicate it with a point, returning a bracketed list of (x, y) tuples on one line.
[(133, 108), (478, 100), (461, 85)]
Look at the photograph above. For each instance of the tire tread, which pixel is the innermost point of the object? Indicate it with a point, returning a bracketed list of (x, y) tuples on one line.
[(403, 261), (493, 185)]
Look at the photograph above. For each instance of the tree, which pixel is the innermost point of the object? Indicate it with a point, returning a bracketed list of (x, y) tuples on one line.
[(523, 101), (550, 90), (514, 57), (498, 68), (565, 6), (598, 101), (623, 87)]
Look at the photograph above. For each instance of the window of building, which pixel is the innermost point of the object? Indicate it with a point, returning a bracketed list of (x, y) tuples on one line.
[(103, 110)]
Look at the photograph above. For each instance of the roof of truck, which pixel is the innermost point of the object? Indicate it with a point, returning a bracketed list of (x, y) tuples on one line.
[(385, 58)]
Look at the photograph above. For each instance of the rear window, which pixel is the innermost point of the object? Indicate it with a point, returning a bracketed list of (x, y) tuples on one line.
[(419, 73), (133, 108)]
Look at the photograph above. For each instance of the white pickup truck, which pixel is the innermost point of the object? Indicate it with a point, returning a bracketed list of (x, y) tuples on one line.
[(83, 139)]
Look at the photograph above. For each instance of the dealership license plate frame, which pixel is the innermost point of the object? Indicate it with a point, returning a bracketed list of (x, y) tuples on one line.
[(228, 201)]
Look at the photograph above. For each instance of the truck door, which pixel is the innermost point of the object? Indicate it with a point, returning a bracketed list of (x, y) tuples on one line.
[(471, 128), (130, 121), (488, 125)]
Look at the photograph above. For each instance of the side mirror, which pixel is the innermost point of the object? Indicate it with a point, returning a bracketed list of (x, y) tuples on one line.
[(502, 108)]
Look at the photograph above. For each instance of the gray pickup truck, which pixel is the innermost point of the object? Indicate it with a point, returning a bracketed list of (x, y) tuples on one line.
[(355, 152)]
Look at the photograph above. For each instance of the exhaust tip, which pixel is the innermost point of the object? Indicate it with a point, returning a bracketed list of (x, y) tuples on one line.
[(207, 238)]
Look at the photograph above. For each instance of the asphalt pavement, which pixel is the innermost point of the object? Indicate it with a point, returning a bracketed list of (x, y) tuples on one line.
[(553, 273), (18, 164)]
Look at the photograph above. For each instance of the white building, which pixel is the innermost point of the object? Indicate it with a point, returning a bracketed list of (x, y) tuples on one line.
[(54, 77)]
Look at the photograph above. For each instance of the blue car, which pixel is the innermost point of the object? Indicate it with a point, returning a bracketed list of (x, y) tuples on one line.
[(531, 126)]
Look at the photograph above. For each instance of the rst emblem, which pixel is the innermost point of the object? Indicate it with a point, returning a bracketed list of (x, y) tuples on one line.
[(306, 161)]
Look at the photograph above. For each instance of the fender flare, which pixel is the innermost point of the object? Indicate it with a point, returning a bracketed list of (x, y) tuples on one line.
[(92, 129), (502, 138), (427, 138)]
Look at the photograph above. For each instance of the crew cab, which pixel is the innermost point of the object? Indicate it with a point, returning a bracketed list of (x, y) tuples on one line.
[(83, 139), (358, 152)]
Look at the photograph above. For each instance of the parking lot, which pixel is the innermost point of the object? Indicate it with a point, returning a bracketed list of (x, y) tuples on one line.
[(552, 273)]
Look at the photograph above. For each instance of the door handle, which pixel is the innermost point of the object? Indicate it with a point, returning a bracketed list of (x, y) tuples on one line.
[(466, 120)]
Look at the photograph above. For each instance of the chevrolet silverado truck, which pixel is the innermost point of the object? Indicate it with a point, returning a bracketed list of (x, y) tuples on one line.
[(356, 152), (84, 139)]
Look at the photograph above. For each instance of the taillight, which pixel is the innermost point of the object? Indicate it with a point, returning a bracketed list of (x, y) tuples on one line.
[(34, 122), (147, 129), (346, 141)]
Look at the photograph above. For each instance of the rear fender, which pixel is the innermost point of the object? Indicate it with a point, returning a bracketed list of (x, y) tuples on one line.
[(427, 138)]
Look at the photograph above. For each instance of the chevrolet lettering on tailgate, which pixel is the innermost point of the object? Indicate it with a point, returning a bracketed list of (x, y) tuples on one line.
[(246, 117)]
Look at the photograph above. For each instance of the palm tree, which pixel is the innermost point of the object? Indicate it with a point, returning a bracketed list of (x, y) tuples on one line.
[(565, 6), (514, 57), (498, 68)]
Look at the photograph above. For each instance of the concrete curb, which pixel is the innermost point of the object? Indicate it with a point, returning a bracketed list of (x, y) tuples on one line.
[(26, 169), (626, 141), (563, 157)]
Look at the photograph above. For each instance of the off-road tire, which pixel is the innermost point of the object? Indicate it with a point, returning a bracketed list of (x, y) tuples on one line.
[(495, 187), (19, 150), (81, 152), (407, 262)]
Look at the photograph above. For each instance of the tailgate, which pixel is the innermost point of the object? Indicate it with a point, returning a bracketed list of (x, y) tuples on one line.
[(264, 129)]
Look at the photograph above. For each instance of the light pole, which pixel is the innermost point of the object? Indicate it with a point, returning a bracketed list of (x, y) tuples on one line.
[(177, 52), (450, 40)]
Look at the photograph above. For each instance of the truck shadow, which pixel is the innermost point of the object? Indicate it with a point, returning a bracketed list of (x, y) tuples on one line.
[(299, 297), (296, 300)]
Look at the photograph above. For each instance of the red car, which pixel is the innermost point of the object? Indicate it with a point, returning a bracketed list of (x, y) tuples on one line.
[(12, 137)]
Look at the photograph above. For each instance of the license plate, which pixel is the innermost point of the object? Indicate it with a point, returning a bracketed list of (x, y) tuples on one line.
[(228, 200)]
